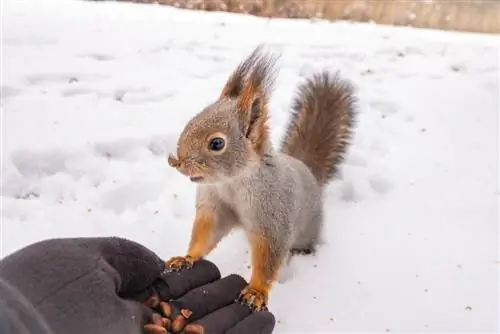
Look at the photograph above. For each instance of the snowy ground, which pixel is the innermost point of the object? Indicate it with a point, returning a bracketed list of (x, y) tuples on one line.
[(95, 94)]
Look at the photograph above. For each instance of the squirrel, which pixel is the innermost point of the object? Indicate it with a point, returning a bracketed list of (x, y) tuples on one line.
[(242, 181)]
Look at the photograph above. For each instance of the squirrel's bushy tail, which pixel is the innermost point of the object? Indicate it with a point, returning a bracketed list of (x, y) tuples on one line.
[(323, 118)]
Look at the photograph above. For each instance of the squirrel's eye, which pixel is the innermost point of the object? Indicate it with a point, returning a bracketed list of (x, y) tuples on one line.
[(216, 144)]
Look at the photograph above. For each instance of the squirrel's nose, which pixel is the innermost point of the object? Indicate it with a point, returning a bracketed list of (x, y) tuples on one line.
[(173, 161)]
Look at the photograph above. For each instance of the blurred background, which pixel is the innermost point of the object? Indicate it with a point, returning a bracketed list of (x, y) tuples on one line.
[(460, 15)]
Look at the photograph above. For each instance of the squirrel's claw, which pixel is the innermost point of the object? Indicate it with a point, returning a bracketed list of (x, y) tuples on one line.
[(253, 299), (178, 263)]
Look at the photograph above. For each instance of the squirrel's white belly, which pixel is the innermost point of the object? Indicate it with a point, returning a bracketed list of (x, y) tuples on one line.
[(236, 195)]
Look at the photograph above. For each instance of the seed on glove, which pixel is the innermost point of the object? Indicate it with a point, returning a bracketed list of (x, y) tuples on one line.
[(154, 329), (179, 323), (194, 329), (157, 319), (166, 322), (158, 325), (153, 301), (166, 309), (186, 313)]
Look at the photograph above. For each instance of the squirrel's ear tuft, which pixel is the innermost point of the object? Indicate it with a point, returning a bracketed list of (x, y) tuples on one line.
[(235, 84), (253, 100), (251, 85)]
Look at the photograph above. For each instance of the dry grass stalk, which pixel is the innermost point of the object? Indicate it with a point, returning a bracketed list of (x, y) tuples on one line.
[(469, 15)]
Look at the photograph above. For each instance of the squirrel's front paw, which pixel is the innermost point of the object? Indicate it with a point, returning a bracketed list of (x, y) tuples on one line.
[(177, 263), (254, 299)]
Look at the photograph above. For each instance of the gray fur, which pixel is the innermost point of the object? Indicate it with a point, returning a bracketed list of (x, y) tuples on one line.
[(276, 194)]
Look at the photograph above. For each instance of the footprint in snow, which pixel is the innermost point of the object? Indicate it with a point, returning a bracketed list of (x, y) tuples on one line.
[(286, 273), (379, 147), (120, 93), (411, 50), (350, 56), (62, 78), (384, 107), (98, 56), (488, 69), (491, 87), (130, 196), (212, 58), (356, 160), (8, 91), (36, 164), (70, 92), (409, 118), (135, 99), (380, 184), (435, 76), (323, 47), (406, 74), (349, 192), (458, 68), (121, 148)]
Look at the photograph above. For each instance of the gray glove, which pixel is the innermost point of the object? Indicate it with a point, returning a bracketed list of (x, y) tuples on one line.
[(113, 285)]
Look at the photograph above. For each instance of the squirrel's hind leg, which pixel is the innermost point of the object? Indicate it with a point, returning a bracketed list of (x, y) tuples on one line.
[(267, 258), (307, 240)]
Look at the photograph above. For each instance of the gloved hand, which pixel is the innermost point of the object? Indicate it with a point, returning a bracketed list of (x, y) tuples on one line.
[(113, 285)]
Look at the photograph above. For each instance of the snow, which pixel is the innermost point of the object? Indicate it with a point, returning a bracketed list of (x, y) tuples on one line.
[(94, 95)]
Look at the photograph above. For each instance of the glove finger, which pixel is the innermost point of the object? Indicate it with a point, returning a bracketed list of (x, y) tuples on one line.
[(173, 285), (262, 322), (219, 321), (137, 265), (203, 300)]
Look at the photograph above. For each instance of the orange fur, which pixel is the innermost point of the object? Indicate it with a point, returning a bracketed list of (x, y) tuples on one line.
[(264, 273), (234, 85), (202, 233), (246, 98), (260, 135), (258, 129), (251, 85)]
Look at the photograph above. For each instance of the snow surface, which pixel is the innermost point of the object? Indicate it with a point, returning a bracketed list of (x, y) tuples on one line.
[(94, 95)]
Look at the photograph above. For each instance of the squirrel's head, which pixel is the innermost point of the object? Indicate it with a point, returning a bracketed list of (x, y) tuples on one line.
[(230, 135)]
